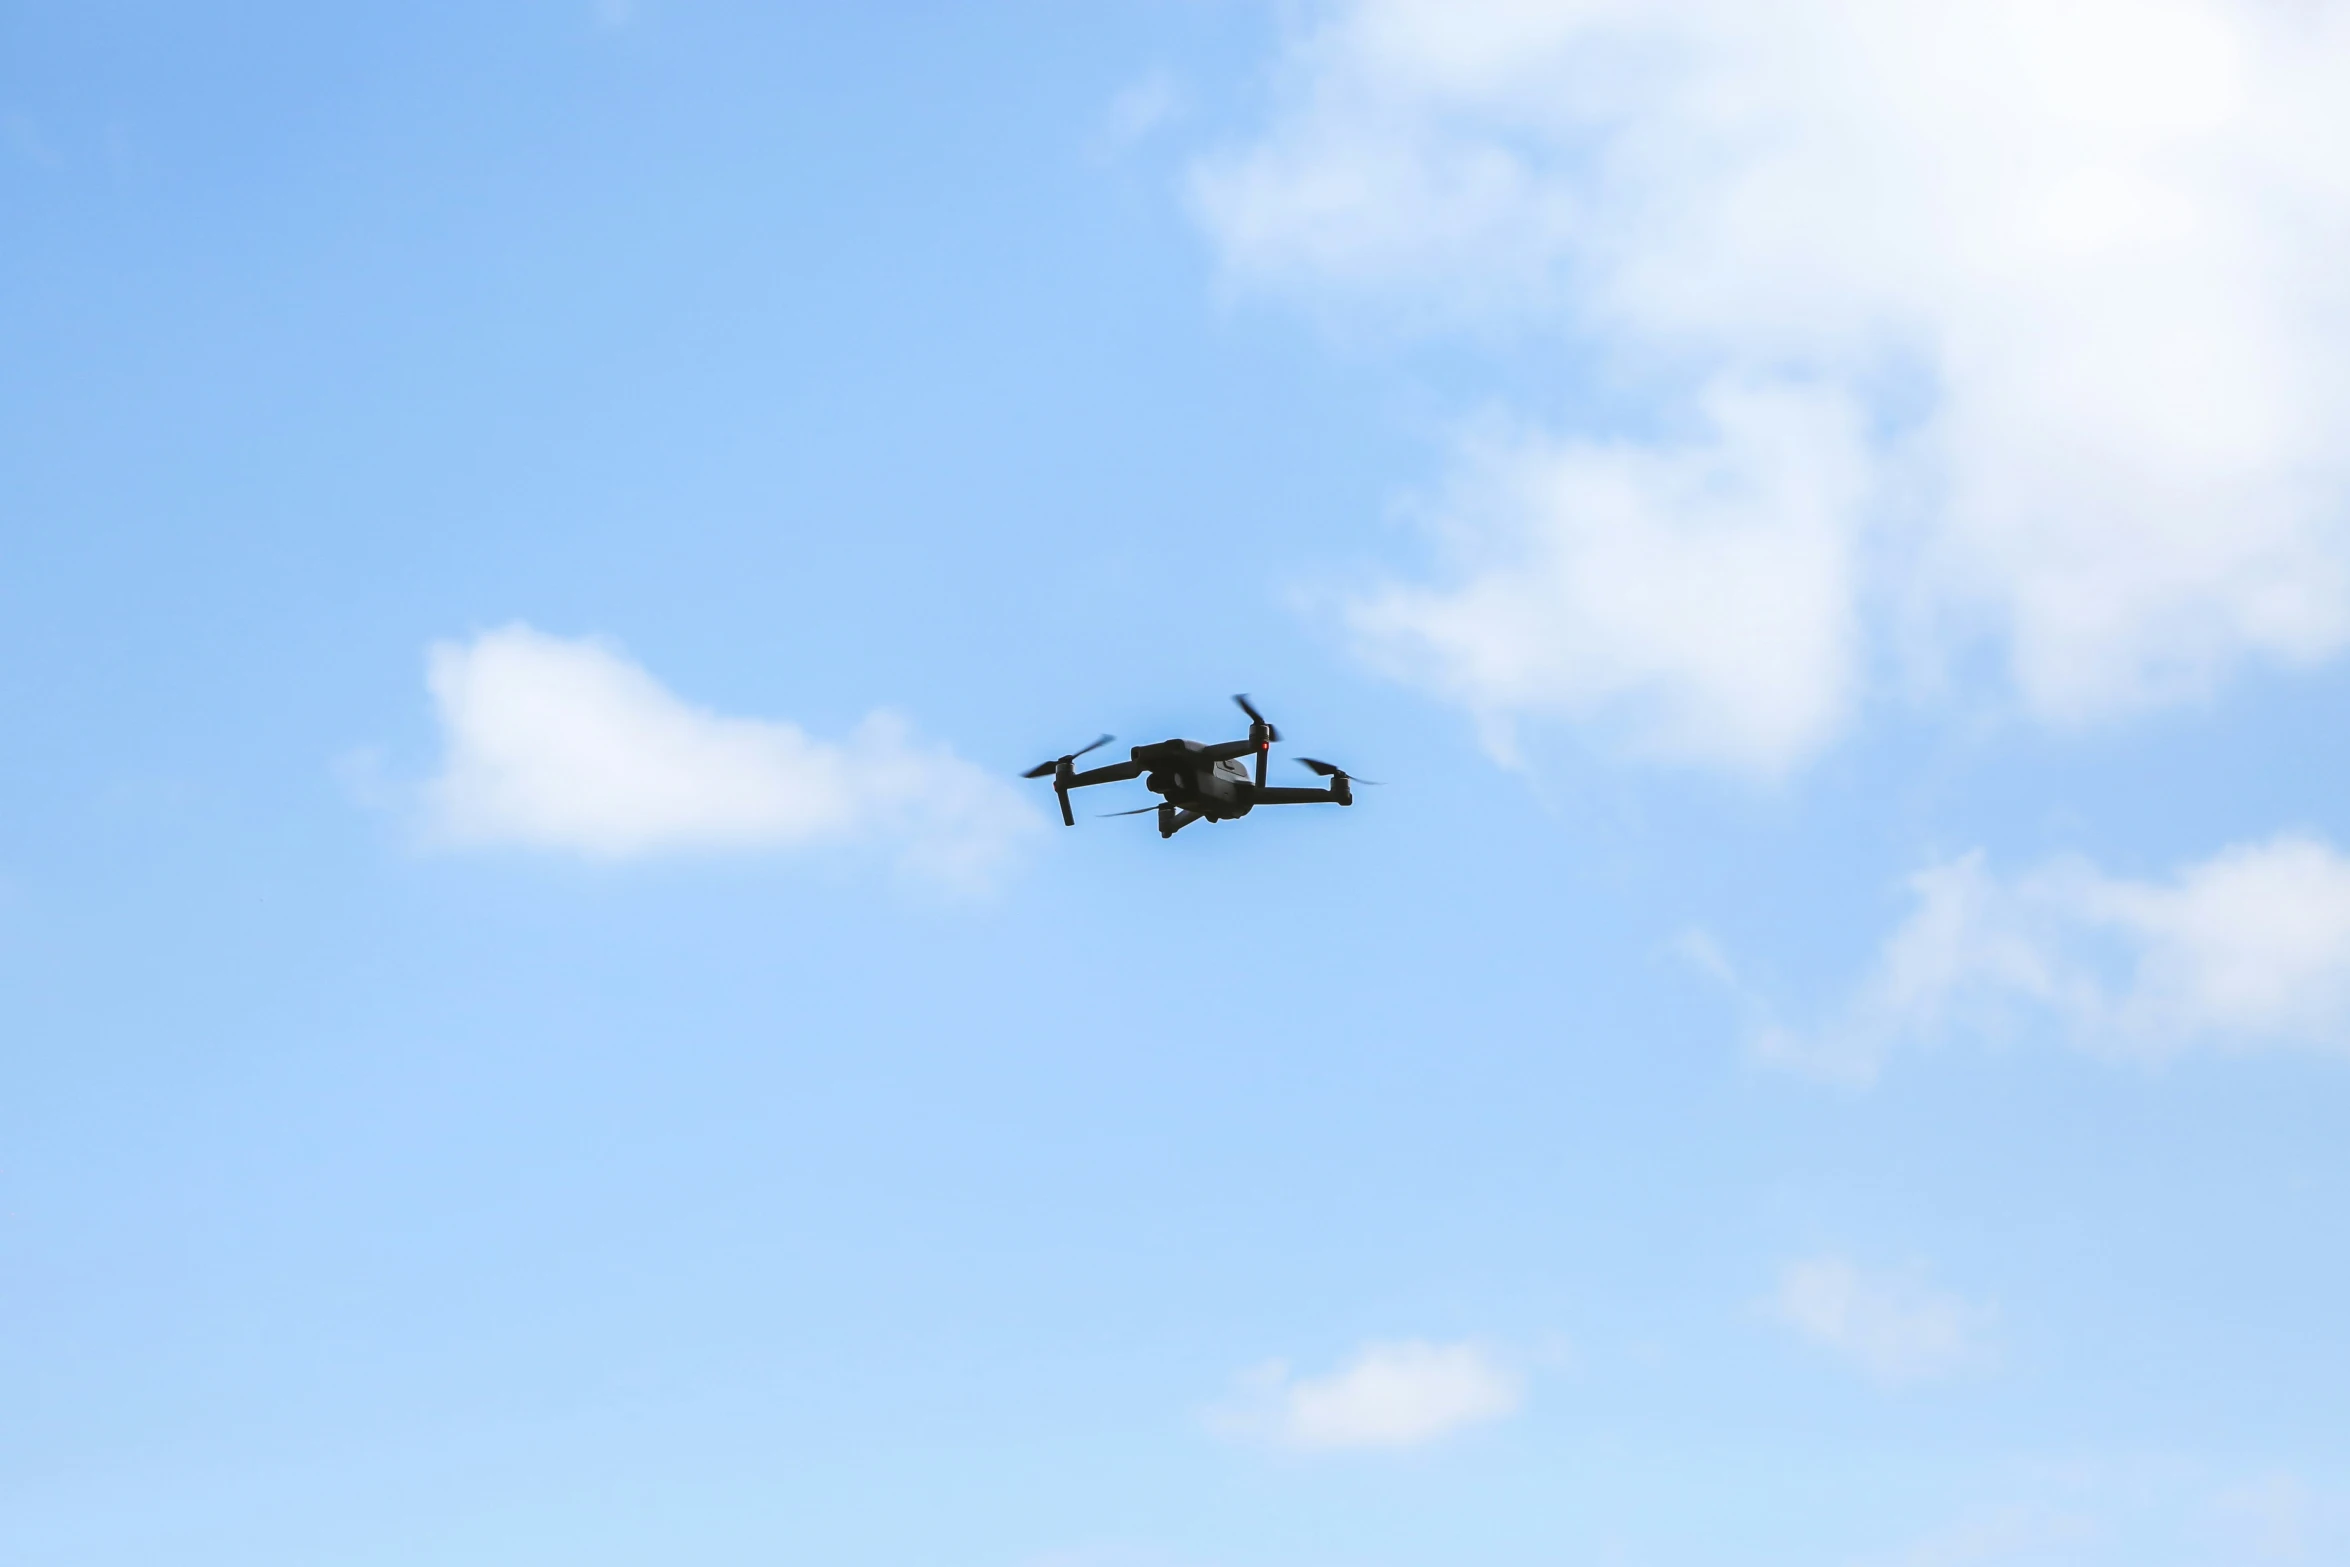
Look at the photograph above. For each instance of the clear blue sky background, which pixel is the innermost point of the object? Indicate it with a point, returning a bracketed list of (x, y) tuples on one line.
[(365, 1203)]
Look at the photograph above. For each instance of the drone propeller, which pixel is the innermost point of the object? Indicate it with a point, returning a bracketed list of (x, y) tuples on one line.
[(1106, 815), (1260, 733), (1042, 768), (1329, 771), (1256, 717)]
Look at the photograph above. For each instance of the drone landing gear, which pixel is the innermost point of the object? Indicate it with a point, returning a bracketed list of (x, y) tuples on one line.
[(1173, 821)]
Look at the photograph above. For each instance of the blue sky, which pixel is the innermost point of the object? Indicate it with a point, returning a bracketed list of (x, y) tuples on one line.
[(540, 1025)]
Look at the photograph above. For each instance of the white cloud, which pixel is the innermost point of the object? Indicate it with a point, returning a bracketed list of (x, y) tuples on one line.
[(2069, 262), (1699, 597), (1892, 1325), (2279, 1517), (565, 745), (2249, 949), (2087, 1507), (2014, 1535), (1391, 1395), (1144, 106)]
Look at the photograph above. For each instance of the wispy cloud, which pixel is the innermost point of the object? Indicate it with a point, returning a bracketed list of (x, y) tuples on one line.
[(1894, 1326), (1400, 1394), (2006, 324), (565, 745), (2280, 1517), (1694, 599), (2129, 1509), (1142, 107), (2013, 1535), (2247, 950)]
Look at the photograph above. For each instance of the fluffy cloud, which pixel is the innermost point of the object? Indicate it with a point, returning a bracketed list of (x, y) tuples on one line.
[(2132, 1510), (2249, 949), (565, 745), (1391, 1395), (1698, 597), (2069, 265), (1144, 106), (1894, 1326)]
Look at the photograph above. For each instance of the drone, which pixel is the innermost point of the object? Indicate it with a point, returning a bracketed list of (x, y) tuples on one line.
[(1198, 781)]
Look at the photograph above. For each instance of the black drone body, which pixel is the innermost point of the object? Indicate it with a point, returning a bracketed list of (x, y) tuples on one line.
[(1197, 782)]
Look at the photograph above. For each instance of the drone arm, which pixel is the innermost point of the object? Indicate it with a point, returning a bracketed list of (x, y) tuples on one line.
[(1113, 773), (1068, 778), (1281, 796), (1227, 750)]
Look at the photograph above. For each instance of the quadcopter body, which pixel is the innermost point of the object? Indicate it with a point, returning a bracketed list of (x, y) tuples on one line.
[(1195, 781)]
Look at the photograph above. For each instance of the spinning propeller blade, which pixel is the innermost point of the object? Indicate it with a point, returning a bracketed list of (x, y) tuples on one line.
[(1257, 718), (1106, 815), (1042, 768), (1261, 733), (1327, 770)]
